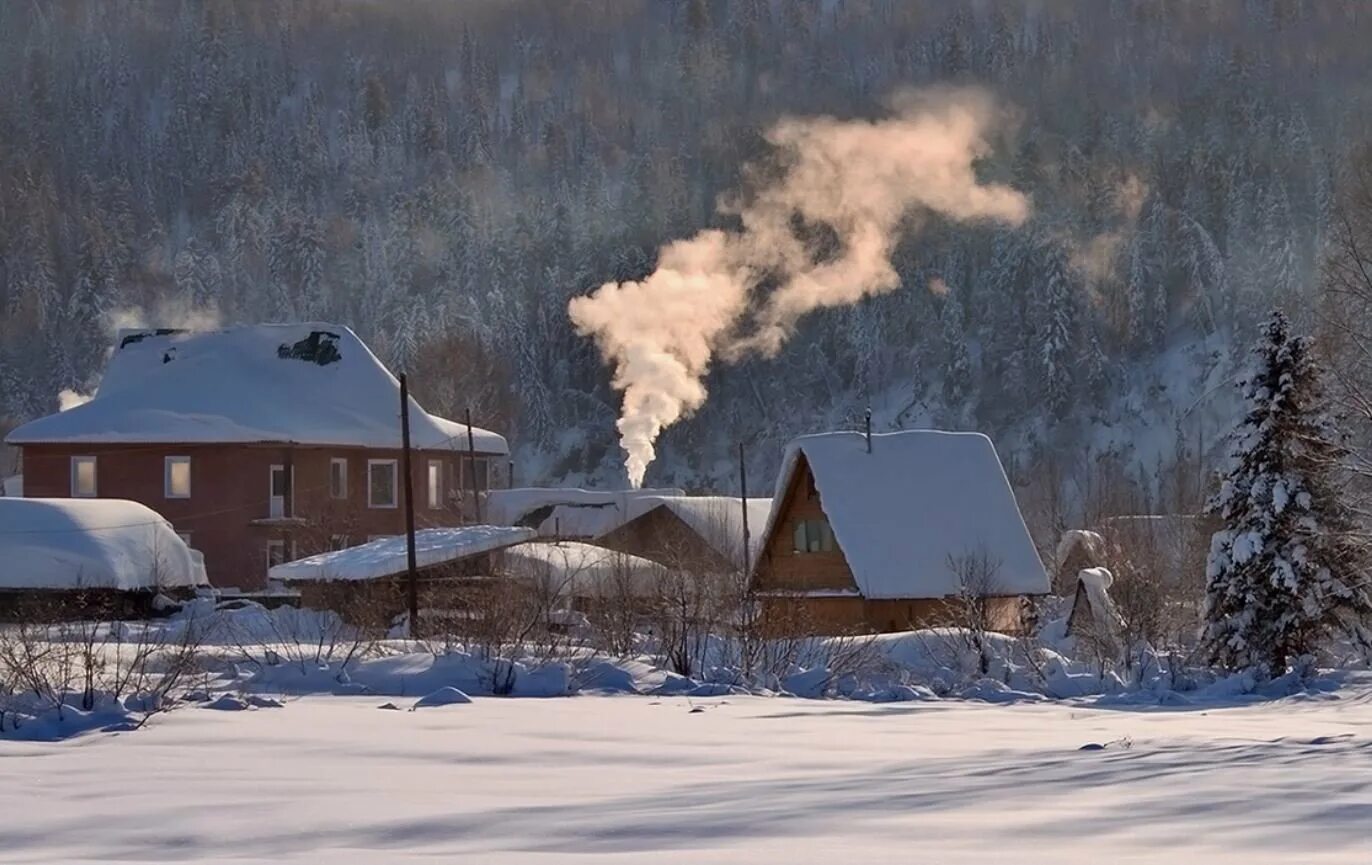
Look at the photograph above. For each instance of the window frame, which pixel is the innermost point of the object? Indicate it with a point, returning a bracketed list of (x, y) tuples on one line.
[(74, 487), (824, 535), (288, 475), (167, 463), (340, 494), (434, 479), (395, 483), (272, 543)]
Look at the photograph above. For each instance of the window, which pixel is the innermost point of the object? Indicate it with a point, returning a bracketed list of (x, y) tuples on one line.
[(381, 483), (83, 477), (814, 536), (435, 484), (338, 478), (176, 477), (276, 552), (279, 488)]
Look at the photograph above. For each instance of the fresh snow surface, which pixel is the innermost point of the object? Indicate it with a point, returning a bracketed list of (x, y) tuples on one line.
[(578, 569), (92, 543), (918, 498), (717, 519), (607, 507), (231, 386), (725, 781), (387, 556)]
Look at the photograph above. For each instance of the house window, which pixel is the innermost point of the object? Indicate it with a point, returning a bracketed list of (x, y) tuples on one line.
[(176, 477), (435, 484), (276, 552), (338, 478), (381, 483), (83, 477), (279, 488), (814, 536)]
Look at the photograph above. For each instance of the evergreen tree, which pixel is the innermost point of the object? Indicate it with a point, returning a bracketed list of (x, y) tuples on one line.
[(1284, 570)]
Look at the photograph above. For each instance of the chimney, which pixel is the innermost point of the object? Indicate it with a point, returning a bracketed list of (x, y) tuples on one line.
[(869, 429)]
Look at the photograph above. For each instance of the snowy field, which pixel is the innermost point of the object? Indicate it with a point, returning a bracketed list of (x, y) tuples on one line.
[(601, 779)]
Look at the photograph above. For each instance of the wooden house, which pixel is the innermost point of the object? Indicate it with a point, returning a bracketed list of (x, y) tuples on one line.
[(893, 531), (260, 444)]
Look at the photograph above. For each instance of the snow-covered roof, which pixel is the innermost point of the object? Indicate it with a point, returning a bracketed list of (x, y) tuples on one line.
[(1090, 543), (386, 557), (92, 543), (574, 568), (312, 383), (717, 519), (920, 497), (566, 513)]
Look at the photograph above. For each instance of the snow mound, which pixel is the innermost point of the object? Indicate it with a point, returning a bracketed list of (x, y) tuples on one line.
[(442, 697)]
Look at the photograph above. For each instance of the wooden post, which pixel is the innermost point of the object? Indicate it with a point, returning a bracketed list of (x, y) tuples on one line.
[(412, 583), (509, 475), (743, 499), (471, 455), (869, 430)]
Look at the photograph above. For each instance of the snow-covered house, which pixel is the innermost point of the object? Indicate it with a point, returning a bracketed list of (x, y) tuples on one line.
[(892, 531), (90, 557), (691, 533), (259, 443), (582, 574), (371, 578)]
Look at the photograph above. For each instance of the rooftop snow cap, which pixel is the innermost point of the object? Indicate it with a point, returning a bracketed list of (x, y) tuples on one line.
[(918, 499), (312, 383)]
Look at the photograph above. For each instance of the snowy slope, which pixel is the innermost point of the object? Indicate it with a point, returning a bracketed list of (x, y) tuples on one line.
[(91, 543), (918, 498), (235, 385), (386, 556)]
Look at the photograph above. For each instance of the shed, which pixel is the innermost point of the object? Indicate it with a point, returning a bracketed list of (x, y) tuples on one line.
[(97, 557), (691, 533), (893, 531)]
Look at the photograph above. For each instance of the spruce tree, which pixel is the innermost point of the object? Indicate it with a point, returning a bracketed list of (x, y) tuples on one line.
[(1285, 570)]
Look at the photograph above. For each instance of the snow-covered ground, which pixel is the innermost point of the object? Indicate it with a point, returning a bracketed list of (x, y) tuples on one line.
[(633, 779)]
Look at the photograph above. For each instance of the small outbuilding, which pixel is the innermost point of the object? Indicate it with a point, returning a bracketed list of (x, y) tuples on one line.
[(894, 531), (700, 534), (64, 558)]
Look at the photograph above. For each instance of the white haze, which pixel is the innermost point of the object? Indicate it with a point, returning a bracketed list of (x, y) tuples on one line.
[(869, 181)]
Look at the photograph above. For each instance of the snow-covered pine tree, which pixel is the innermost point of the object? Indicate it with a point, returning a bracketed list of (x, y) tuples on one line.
[(1285, 570)]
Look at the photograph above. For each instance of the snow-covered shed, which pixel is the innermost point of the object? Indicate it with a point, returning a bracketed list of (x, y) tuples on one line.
[(565, 513), (91, 556), (702, 533), (261, 442), (1094, 618), (891, 531), (370, 579)]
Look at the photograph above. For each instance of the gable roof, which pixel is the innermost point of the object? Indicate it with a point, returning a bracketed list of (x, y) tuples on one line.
[(572, 568), (718, 520), (921, 496), (386, 557), (92, 543), (312, 383), (564, 512)]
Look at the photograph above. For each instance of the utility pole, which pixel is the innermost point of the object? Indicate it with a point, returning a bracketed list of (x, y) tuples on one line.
[(868, 418), (412, 587), (743, 500), (471, 456)]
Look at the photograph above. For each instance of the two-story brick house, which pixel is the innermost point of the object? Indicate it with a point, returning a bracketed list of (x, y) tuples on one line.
[(259, 443)]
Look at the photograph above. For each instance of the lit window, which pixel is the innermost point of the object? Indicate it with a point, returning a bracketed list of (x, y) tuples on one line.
[(176, 477), (813, 536), (435, 484), (83, 477), (338, 478), (381, 483)]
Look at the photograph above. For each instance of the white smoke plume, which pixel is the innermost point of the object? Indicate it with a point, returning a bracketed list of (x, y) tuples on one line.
[(867, 181)]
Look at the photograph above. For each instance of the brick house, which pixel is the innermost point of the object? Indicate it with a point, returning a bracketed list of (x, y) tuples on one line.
[(259, 443)]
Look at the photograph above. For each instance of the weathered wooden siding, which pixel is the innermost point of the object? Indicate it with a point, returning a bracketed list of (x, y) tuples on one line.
[(779, 565)]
